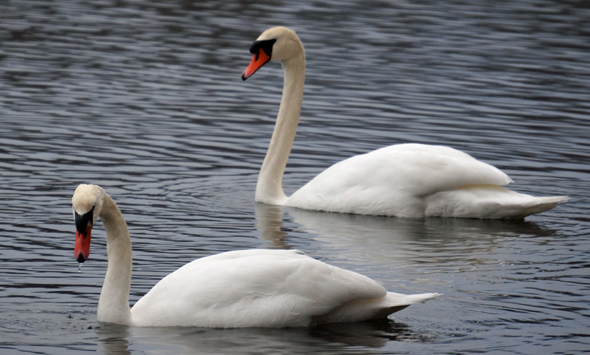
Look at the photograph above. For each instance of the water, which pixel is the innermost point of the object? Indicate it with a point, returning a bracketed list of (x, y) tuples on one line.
[(145, 99)]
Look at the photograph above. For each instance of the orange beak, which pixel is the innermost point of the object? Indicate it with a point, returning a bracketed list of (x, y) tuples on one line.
[(82, 247), (258, 60)]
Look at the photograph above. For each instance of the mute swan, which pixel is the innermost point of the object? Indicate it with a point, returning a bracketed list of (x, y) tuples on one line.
[(248, 288), (405, 180)]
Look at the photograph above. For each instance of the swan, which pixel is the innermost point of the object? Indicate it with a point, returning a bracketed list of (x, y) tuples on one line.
[(247, 288), (404, 180)]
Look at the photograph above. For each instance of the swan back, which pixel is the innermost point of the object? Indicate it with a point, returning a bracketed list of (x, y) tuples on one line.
[(393, 181), (257, 288)]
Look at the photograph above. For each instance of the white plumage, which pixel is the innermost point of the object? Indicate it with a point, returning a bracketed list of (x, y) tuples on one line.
[(406, 180), (249, 288), (264, 288)]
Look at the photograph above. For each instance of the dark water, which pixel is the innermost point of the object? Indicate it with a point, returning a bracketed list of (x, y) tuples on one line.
[(145, 99)]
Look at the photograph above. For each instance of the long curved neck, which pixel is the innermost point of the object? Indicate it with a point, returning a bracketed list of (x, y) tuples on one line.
[(113, 306), (269, 188)]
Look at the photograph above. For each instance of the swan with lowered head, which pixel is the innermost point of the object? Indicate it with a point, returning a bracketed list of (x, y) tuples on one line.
[(248, 288), (404, 180)]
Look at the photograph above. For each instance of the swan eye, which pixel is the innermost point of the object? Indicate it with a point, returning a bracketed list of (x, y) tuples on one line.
[(265, 45), (83, 220)]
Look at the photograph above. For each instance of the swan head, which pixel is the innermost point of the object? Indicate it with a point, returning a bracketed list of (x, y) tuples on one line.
[(86, 205), (277, 43)]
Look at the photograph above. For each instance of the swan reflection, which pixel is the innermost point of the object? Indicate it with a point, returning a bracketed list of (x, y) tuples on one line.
[(116, 339), (389, 239)]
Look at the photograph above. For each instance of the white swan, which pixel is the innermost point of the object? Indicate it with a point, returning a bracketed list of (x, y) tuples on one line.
[(406, 180), (249, 288)]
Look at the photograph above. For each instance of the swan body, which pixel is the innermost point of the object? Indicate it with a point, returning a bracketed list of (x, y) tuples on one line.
[(248, 288), (405, 180)]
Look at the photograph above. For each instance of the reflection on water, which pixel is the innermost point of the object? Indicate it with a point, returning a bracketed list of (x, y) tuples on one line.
[(395, 229), (113, 338), (144, 97), (361, 234), (269, 220), (322, 339), (435, 239)]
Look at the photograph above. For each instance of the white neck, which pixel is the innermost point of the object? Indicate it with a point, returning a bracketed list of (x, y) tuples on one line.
[(269, 188), (113, 306)]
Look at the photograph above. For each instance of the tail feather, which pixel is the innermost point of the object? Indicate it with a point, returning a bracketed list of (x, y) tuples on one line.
[(540, 204), (369, 309), (489, 202), (398, 299)]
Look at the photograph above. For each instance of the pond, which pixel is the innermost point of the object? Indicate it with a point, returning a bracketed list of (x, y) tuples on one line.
[(145, 99)]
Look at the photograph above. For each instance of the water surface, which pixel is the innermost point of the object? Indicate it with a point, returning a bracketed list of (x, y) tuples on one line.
[(145, 99)]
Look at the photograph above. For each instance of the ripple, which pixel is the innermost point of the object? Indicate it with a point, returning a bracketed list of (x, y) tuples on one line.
[(145, 99)]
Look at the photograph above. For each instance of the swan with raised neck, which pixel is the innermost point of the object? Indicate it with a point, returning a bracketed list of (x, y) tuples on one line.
[(404, 180), (246, 288)]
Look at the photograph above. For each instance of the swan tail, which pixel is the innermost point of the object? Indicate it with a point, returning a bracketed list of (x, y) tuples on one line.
[(526, 206), (371, 309), (542, 204), (488, 202), (401, 299), (394, 302)]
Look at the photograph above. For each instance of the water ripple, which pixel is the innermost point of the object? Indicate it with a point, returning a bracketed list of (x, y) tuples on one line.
[(145, 99)]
